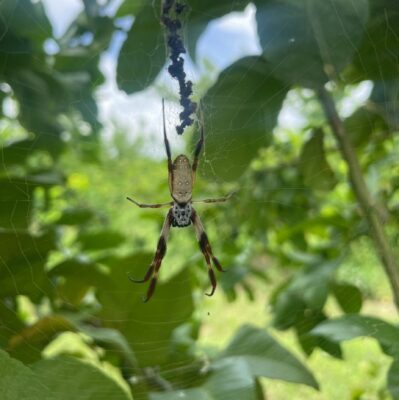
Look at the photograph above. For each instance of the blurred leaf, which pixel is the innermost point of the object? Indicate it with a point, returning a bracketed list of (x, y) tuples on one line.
[(19, 382), (377, 57), (25, 18), (361, 125), (393, 379), (100, 240), (229, 380), (306, 292), (267, 358), (68, 378), (385, 98), (79, 276), (28, 344), (129, 7), (352, 326), (143, 53), (310, 42), (110, 338), (9, 322), (75, 216), (241, 111), (314, 166), (348, 296), (124, 310), (23, 259)]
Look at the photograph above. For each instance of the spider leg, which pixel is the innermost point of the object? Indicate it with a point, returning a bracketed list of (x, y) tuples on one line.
[(153, 269), (206, 250), (158, 205), (167, 148), (197, 151), (219, 200)]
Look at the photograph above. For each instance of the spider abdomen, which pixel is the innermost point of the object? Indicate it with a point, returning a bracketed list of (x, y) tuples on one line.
[(181, 215), (182, 180)]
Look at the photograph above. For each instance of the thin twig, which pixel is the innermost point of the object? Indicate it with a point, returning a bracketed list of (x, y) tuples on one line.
[(362, 193)]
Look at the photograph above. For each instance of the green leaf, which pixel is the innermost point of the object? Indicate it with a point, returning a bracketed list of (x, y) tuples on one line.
[(348, 296), (110, 338), (266, 357), (385, 98), (393, 379), (79, 276), (19, 382), (75, 216), (129, 7), (144, 325), (362, 124), (241, 110), (26, 254), (68, 378), (309, 42), (28, 343), (100, 240), (314, 166), (229, 379), (377, 57), (25, 18), (143, 53), (352, 326)]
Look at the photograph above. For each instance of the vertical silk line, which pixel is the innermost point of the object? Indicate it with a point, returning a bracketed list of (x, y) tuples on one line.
[(171, 14)]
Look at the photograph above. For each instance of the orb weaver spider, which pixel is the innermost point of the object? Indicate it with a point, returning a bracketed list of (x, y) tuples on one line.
[(181, 181)]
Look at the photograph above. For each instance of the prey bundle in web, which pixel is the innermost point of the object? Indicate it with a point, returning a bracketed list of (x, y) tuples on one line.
[(172, 11)]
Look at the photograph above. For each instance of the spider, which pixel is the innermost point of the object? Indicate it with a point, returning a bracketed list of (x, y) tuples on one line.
[(181, 181)]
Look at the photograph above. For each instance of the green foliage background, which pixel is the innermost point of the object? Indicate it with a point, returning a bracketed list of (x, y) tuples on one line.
[(305, 309)]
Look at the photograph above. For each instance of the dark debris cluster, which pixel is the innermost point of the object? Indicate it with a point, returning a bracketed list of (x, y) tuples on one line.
[(171, 12)]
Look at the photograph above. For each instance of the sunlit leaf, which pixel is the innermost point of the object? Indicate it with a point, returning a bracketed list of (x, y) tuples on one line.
[(19, 382), (309, 42), (241, 111), (68, 378)]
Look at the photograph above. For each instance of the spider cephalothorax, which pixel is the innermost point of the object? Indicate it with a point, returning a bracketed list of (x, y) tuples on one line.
[(181, 214)]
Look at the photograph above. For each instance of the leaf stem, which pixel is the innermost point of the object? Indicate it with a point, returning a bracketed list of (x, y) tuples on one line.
[(367, 203)]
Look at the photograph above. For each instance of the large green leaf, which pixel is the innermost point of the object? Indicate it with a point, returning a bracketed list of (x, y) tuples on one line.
[(26, 18), (23, 260), (267, 358), (352, 326), (143, 53), (241, 111), (229, 379), (309, 42), (148, 327), (68, 378), (18, 382), (377, 57), (314, 166)]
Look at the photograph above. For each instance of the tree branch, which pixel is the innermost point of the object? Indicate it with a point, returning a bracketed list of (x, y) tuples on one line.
[(367, 203)]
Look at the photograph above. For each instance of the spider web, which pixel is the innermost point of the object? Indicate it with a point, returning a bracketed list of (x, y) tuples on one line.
[(226, 40)]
